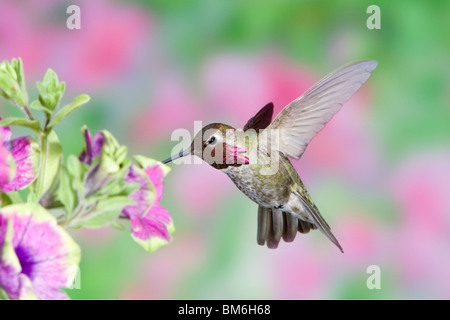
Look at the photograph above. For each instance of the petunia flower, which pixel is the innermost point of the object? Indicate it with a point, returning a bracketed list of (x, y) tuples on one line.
[(37, 257), (18, 161), (5, 165), (106, 160), (151, 226), (141, 185), (92, 147)]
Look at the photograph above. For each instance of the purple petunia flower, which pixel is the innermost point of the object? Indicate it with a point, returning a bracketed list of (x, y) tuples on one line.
[(5, 165), (18, 161), (37, 257), (100, 155), (152, 225), (92, 148)]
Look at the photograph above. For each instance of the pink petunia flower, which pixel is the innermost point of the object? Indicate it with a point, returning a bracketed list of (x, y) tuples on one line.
[(37, 257), (152, 226), (5, 165), (18, 161)]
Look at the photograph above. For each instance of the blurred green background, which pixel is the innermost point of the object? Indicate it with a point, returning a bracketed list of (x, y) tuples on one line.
[(379, 172)]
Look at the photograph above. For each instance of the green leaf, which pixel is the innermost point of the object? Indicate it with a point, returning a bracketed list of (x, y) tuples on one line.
[(50, 162), (7, 84), (75, 167), (121, 154), (10, 90), (65, 193), (31, 197), (12, 82), (67, 109), (107, 211), (109, 164), (50, 90), (3, 94), (117, 225), (3, 295), (36, 104), (22, 122), (14, 197), (4, 200), (20, 76)]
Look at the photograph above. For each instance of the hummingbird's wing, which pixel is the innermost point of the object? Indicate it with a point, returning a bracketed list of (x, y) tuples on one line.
[(262, 119), (304, 117)]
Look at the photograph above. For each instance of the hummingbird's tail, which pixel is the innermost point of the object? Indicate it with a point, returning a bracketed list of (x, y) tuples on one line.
[(274, 224)]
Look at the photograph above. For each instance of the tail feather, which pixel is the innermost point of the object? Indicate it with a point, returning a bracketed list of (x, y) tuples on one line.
[(304, 227), (264, 214), (270, 227), (277, 229), (274, 225), (290, 229)]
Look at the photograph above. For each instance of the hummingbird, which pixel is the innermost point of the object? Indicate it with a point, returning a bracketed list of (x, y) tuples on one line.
[(256, 158)]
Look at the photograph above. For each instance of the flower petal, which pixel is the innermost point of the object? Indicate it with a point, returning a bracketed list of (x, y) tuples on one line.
[(5, 132), (99, 140), (86, 154), (6, 166), (156, 171), (92, 148), (154, 229), (25, 154), (155, 174), (47, 255), (144, 196), (145, 162), (17, 285)]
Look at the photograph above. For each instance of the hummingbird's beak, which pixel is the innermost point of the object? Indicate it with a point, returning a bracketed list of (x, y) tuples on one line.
[(181, 154)]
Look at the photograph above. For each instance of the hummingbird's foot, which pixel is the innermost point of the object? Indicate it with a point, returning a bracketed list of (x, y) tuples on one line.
[(280, 206)]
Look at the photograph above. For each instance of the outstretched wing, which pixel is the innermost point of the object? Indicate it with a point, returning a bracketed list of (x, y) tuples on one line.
[(304, 117), (262, 119)]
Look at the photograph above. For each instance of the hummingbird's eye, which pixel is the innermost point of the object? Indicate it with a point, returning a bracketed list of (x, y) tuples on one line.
[(212, 140)]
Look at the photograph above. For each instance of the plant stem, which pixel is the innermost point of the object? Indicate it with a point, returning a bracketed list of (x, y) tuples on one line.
[(42, 166), (27, 112), (74, 218), (84, 216)]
